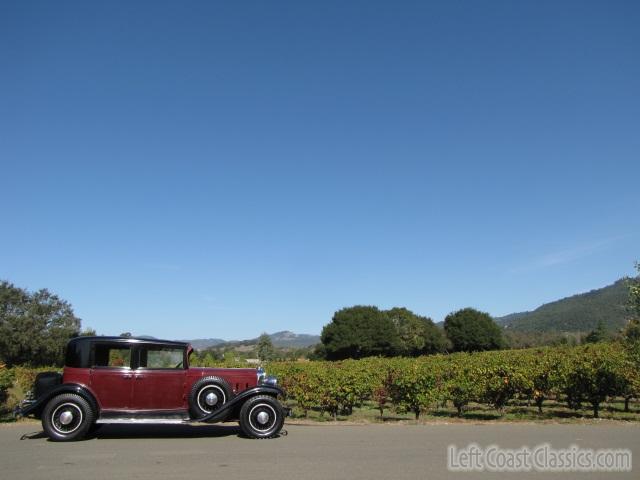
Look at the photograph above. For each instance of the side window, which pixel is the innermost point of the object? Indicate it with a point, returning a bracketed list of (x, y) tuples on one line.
[(161, 357), (114, 355)]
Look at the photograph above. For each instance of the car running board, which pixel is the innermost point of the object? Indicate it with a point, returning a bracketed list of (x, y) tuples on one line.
[(148, 421)]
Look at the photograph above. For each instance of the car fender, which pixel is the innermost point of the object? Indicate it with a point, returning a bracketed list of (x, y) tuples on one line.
[(35, 407), (236, 403)]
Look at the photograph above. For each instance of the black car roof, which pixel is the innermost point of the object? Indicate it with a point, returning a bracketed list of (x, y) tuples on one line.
[(131, 340)]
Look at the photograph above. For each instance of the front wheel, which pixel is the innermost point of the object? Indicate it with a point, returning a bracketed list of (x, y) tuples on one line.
[(261, 417), (67, 417)]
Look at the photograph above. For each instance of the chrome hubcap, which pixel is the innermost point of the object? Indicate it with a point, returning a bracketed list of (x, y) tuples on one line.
[(262, 417), (211, 399), (66, 417)]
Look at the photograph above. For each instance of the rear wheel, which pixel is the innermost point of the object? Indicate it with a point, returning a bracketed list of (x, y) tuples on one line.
[(261, 417), (67, 417)]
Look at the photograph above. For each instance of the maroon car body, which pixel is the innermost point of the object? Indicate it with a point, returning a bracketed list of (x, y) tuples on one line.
[(129, 380)]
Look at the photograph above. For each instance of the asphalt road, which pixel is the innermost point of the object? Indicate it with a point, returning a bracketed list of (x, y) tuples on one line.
[(307, 452)]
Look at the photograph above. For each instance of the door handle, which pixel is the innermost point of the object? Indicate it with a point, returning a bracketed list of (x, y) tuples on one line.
[(127, 376), (139, 377)]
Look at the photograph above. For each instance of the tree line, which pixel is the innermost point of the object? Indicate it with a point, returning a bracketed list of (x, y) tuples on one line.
[(365, 331)]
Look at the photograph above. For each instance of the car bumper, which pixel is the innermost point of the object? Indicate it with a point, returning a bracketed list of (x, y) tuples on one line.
[(23, 408)]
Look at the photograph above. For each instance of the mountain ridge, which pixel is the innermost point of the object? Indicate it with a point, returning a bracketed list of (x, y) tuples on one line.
[(283, 339), (576, 313)]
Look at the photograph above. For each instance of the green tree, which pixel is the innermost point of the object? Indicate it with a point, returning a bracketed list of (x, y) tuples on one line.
[(470, 330), (208, 360), (34, 327), (598, 335), (229, 357), (357, 332), (318, 352), (417, 335), (631, 332), (265, 349)]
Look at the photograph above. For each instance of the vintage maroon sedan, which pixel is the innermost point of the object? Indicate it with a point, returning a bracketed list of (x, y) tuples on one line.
[(138, 380)]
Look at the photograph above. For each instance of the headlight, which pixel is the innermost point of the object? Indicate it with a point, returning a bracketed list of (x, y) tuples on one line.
[(263, 379), (270, 381)]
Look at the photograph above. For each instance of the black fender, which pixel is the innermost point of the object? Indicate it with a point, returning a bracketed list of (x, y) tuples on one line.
[(234, 405), (35, 407)]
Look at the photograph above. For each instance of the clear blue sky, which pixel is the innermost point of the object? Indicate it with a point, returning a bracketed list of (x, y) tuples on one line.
[(219, 169)]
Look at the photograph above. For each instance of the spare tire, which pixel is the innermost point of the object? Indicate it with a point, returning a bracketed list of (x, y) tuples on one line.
[(45, 382), (207, 395)]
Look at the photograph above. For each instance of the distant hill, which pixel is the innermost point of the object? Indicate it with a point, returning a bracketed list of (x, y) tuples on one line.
[(284, 339), (578, 313), (202, 343), (293, 340)]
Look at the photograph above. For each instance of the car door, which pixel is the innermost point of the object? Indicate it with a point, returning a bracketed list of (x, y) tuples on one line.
[(111, 375), (159, 378)]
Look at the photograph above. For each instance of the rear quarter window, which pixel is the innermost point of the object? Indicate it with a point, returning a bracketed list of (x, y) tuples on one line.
[(114, 356), (77, 355)]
